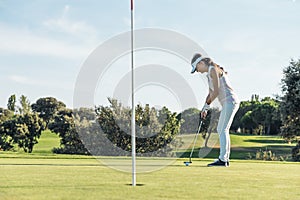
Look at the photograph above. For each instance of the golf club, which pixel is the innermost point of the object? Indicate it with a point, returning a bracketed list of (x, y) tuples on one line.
[(187, 163)]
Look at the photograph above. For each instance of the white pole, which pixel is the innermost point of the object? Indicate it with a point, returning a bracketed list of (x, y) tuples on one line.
[(132, 106)]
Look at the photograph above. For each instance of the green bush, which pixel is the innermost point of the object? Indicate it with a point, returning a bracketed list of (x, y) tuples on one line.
[(296, 152), (266, 155), (64, 126), (155, 129)]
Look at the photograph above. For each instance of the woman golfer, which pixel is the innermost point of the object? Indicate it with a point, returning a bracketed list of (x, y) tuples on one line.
[(219, 86)]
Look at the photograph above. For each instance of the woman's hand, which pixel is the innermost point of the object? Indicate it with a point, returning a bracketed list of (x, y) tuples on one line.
[(204, 110), (203, 114)]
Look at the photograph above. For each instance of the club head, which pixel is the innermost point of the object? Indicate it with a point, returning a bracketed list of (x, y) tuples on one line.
[(187, 163)]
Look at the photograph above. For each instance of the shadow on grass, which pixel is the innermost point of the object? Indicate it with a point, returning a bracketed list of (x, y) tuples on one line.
[(266, 141), (50, 164), (138, 184), (243, 152)]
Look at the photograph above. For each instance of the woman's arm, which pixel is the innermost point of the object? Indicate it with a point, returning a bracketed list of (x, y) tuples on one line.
[(208, 101), (212, 93), (216, 84)]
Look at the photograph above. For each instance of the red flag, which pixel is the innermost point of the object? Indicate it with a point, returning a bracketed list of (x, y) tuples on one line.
[(131, 4)]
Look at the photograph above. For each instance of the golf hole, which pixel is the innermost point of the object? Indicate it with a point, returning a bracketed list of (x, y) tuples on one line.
[(138, 184)]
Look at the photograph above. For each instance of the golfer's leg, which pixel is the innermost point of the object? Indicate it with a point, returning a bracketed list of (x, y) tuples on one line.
[(228, 145), (234, 109), (221, 133), (224, 124)]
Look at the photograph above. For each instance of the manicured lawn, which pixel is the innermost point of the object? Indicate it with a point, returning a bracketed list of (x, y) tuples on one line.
[(241, 145), (86, 178), (244, 145), (47, 142), (44, 175)]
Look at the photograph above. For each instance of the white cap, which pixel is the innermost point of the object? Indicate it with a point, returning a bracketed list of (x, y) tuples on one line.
[(194, 64)]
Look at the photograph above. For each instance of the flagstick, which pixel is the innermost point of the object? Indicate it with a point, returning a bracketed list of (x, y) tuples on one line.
[(132, 107)]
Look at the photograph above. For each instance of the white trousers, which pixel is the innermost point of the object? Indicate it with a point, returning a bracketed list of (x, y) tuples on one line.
[(226, 117)]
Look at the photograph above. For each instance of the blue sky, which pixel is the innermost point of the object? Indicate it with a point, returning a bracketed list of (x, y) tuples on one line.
[(43, 44)]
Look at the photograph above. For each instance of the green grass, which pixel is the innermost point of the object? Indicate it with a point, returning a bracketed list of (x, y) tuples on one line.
[(243, 145), (88, 179), (44, 175), (47, 142)]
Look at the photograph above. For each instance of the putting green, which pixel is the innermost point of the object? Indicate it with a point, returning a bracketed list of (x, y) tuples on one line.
[(85, 178)]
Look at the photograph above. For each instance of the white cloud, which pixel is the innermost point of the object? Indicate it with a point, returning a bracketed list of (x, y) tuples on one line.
[(59, 37), (64, 25), (23, 41)]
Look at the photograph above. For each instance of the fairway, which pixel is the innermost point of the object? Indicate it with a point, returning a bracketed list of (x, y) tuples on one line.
[(44, 175), (85, 178), (242, 146)]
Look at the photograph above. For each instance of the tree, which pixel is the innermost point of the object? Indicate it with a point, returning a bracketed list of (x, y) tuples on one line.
[(290, 105), (155, 131), (7, 128), (25, 105), (23, 130), (64, 125), (5, 114), (11, 105), (47, 108), (85, 113), (190, 120), (266, 115), (255, 98), (296, 152), (27, 131), (258, 116), (6, 140), (243, 118), (247, 122)]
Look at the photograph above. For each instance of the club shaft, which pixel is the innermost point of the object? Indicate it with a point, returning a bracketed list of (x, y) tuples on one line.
[(195, 139)]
